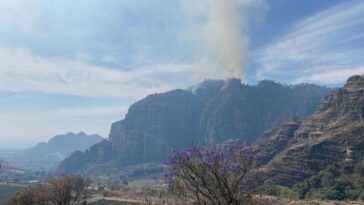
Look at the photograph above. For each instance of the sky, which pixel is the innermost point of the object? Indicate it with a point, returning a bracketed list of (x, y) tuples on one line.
[(78, 65)]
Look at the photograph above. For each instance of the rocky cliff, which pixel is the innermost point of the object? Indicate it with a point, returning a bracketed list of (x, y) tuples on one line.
[(213, 111), (333, 135)]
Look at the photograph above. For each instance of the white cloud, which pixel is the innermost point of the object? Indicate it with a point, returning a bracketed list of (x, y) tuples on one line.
[(63, 113), (21, 70), (331, 76), (25, 129), (328, 42)]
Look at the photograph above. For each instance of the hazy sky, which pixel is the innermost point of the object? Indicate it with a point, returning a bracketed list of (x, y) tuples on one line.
[(71, 65)]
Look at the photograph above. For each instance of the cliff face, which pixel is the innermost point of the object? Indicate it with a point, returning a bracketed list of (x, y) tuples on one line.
[(212, 111), (245, 112), (333, 135), (155, 126)]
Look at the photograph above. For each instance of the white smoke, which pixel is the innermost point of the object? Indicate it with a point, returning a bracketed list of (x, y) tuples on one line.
[(218, 29)]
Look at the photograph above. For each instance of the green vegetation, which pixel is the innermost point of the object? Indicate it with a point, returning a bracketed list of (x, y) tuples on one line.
[(6, 191), (328, 184), (332, 185)]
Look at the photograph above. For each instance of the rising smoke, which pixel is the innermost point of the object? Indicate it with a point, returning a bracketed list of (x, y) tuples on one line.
[(219, 32)]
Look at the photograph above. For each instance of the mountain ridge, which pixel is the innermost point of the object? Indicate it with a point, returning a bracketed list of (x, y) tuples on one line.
[(47, 156), (332, 135), (65, 143), (160, 123)]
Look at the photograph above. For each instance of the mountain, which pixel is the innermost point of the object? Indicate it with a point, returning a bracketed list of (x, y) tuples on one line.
[(212, 111), (47, 156), (65, 144), (331, 138)]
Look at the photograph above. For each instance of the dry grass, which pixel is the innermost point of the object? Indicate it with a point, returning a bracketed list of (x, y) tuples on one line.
[(155, 200)]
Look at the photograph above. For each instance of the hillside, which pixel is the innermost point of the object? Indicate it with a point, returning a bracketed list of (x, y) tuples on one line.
[(46, 156), (332, 138), (9, 172), (6, 167), (212, 111)]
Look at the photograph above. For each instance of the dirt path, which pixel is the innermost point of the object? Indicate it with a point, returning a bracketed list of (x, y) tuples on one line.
[(98, 198), (13, 184)]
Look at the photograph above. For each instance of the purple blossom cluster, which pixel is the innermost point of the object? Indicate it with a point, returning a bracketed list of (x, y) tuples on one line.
[(204, 172)]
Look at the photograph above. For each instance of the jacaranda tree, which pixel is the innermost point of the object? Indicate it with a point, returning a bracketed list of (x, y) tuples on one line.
[(212, 176)]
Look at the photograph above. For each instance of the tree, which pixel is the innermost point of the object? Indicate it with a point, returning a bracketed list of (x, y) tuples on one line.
[(34, 195), (69, 190), (212, 176)]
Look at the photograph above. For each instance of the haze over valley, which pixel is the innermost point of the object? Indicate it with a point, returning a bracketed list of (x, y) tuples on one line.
[(234, 102)]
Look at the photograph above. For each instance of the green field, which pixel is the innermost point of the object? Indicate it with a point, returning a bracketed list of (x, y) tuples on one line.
[(6, 191)]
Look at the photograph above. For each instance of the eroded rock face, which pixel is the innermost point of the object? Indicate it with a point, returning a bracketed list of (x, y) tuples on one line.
[(333, 135), (97, 154), (245, 112), (212, 111)]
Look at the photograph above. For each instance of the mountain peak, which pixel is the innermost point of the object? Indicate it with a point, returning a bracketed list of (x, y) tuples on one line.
[(234, 81), (82, 133), (355, 82)]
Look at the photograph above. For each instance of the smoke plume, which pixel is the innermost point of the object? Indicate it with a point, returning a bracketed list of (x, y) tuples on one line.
[(220, 35)]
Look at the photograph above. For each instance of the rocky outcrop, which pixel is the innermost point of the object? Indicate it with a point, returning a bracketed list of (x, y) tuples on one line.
[(333, 135), (98, 154), (212, 111)]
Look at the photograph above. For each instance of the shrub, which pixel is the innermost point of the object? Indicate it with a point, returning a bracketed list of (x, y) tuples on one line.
[(334, 194), (361, 197), (359, 169), (338, 191), (212, 176), (353, 194), (61, 191), (303, 189)]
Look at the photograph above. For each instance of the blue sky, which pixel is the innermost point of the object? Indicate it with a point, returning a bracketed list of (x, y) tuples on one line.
[(77, 65)]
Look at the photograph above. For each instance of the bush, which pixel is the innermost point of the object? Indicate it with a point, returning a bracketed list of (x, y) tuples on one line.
[(212, 176), (359, 169), (302, 189), (315, 181), (338, 191), (328, 176), (334, 194), (272, 190), (361, 197), (353, 194), (61, 191)]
